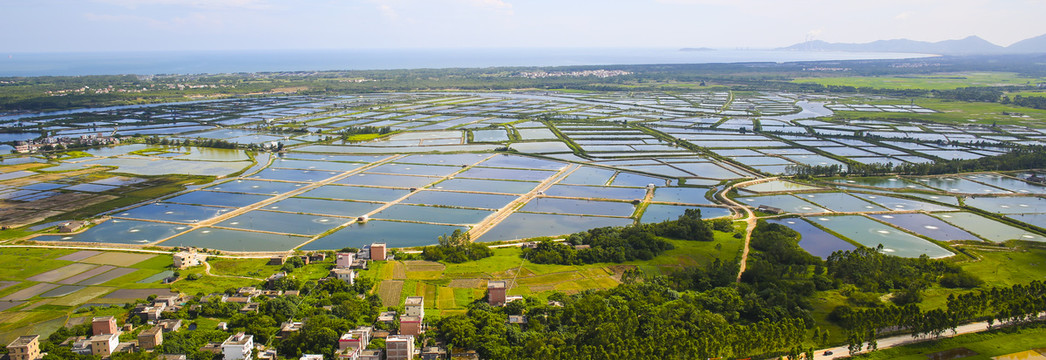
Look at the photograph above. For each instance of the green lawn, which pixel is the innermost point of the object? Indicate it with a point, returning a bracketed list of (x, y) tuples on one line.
[(20, 263), (1008, 268), (926, 82)]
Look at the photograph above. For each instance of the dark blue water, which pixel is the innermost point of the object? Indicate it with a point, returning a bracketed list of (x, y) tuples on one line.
[(147, 63)]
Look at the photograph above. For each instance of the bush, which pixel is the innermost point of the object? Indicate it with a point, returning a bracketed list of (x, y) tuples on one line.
[(962, 280)]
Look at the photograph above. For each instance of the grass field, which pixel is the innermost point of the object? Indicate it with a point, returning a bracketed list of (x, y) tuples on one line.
[(927, 82), (986, 345), (1008, 268), (957, 112)]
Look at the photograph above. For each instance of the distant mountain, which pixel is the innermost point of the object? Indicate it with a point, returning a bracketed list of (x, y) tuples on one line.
[(1034, 45), (972, 45)]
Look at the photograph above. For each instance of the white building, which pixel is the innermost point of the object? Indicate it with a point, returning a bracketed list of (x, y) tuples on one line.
[(238, 347)]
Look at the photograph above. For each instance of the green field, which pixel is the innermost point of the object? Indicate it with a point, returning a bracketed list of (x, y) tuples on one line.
[(956, 112), (925, 82)]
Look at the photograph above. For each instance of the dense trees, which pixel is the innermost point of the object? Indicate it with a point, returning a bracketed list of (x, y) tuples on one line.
[(456, 248)]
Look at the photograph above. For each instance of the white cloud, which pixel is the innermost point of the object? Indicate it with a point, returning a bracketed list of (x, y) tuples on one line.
[(903, 16)]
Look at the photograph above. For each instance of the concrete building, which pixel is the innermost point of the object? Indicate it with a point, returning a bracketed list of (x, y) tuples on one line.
[(378, 252), (311, 357), (358, 338), (371, 354), (344, 274), (187, 259), (344, 260), (496, 292), (414, 306), (103, 325), (433, 353), (399, 347), (71, 226), (238, 347), (103, 345), (289, 328), (24, 348), (151, 338)]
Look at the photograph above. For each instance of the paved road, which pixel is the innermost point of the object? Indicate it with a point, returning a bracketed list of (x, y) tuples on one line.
[(894, 341), (749, 219)]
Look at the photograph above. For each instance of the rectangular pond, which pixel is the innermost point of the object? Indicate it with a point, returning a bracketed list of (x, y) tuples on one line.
[(815, 241), (457, 216), (527, 225), (460, 199), (988, 229), (522, 162), (235, 240), (256, 187), (324, 207), (173, 212), (597, 192), (299, 224), (505, 174), (345, 192), (900, 204), (415, 169), (578, 207), (841, 202), (394, 234), (217, 198), (1009, 205), (295, 175), (400, 181), (656, 213), (316, 165), (587, 175), (494, 186), (871, 233), (927, 226), (120, 231), (787, 203), (682, 195)]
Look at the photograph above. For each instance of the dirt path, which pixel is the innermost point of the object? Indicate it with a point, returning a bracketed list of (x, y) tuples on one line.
[(749, 219)]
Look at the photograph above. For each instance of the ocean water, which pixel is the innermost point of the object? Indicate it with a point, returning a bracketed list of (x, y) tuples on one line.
[(210, 62)]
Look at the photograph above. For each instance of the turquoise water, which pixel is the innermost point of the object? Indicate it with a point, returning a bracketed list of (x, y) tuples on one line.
[(814, 240), (871, 233)]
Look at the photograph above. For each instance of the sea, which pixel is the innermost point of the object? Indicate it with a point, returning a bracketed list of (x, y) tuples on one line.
[(219, 62)]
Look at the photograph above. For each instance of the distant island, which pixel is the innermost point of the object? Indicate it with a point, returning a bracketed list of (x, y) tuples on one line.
[(972, 45)]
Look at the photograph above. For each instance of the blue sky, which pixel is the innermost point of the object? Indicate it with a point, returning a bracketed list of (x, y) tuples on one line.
[(137, 25)]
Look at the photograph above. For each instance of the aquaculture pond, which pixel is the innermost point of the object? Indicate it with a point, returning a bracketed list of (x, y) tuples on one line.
[(656, 213), (443, 159), (926, 225), (778, 185), (489, 135), (579, 207), (345, 192), (288, 223), (173, 212), (235, 240), (988, 229), (216, 198), (324, 207), (682, 195), (871, 233), (1008, 183), (121, 231), (961, 185), (400, 181), (596, 192), (522, 162), (505, 174), (295, 175), (433, 214), (1008, 205), (899, 204), (316, 165), (460, 199), (256, 187), (630, 179), (395, 234), (493, 186), (787, 203), (841, 202), (815, 241), (415, 169), (889, 183), (527, 225)]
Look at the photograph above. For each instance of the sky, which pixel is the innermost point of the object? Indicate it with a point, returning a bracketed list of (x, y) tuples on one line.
[(181, 25)]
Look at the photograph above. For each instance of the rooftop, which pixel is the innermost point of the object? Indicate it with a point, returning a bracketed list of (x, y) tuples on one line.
[(24, 340), (238, 339), (499, 284), (414, 300)]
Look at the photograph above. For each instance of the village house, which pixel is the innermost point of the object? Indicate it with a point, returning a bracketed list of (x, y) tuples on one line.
[(24, 348)]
